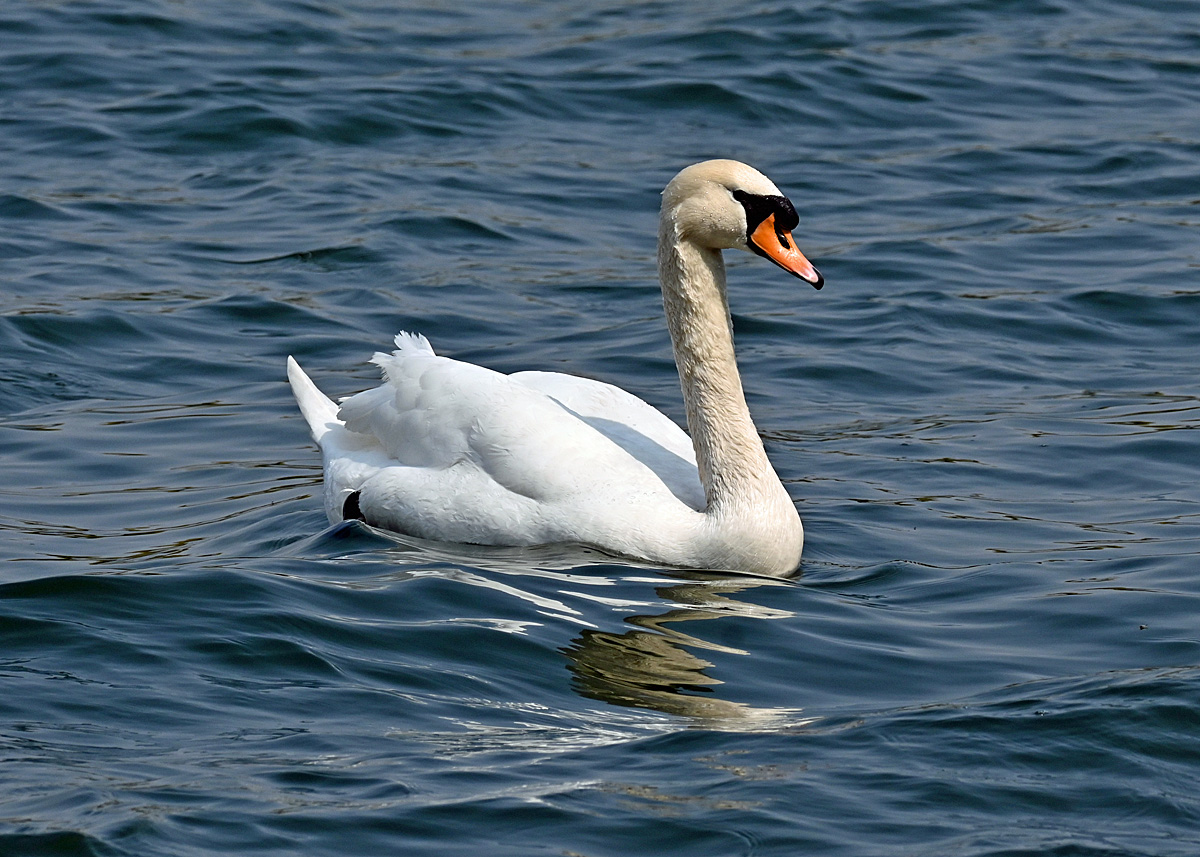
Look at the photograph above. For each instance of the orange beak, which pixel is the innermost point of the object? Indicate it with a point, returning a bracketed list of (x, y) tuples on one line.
[(781, 249)]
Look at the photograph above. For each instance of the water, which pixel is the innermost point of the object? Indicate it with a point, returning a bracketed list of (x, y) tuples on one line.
[(987, 418)]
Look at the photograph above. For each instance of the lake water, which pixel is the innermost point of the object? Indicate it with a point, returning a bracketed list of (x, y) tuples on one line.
[(988, 419)]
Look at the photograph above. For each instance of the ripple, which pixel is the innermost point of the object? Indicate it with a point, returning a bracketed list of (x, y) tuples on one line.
[(986, 422)]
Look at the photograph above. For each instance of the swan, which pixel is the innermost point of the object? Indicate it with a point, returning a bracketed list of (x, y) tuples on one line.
[(450, 451)]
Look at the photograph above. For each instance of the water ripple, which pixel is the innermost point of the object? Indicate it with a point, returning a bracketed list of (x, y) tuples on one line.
[(987, 420)]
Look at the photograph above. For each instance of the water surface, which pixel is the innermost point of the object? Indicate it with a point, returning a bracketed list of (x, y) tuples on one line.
[(987, 419)]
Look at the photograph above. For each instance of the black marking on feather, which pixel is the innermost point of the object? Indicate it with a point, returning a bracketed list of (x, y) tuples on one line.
[(350, 508), (761, 206)]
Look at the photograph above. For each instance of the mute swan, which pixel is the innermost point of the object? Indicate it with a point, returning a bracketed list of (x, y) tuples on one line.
[(450, 451)]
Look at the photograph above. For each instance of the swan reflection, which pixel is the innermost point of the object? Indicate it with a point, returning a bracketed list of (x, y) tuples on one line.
[(652, 665), (657, 666)]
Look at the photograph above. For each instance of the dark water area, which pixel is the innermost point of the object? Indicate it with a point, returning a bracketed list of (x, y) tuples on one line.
[(988, 420)]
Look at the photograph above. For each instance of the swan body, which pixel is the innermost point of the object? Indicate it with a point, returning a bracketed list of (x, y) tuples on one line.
[(450, 451)]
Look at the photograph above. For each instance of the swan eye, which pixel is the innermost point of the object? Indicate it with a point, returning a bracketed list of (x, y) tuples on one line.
[(761, 206)]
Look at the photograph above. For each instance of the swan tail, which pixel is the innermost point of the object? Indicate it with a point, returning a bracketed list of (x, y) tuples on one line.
[(318, 409)]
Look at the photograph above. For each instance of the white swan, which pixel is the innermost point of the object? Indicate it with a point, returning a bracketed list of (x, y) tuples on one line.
[(449, 451)]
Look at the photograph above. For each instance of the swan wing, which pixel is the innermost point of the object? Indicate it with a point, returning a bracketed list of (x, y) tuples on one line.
[(640, 429), (451, 451)]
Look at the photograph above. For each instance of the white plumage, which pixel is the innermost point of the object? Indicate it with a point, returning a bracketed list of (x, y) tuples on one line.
[(450, 451)]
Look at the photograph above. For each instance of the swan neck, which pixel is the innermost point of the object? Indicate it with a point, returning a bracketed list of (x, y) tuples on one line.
[(733, 465)]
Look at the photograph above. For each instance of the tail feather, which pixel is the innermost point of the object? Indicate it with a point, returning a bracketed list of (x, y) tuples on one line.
[(319, 410)]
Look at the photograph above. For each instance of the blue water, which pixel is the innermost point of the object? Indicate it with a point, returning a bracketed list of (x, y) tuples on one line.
[(988, 420)]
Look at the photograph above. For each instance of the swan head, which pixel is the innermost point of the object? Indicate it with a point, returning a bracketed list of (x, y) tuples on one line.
[(727, 205)]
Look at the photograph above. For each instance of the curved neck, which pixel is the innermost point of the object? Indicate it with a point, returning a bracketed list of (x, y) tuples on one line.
[(733, 465)]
